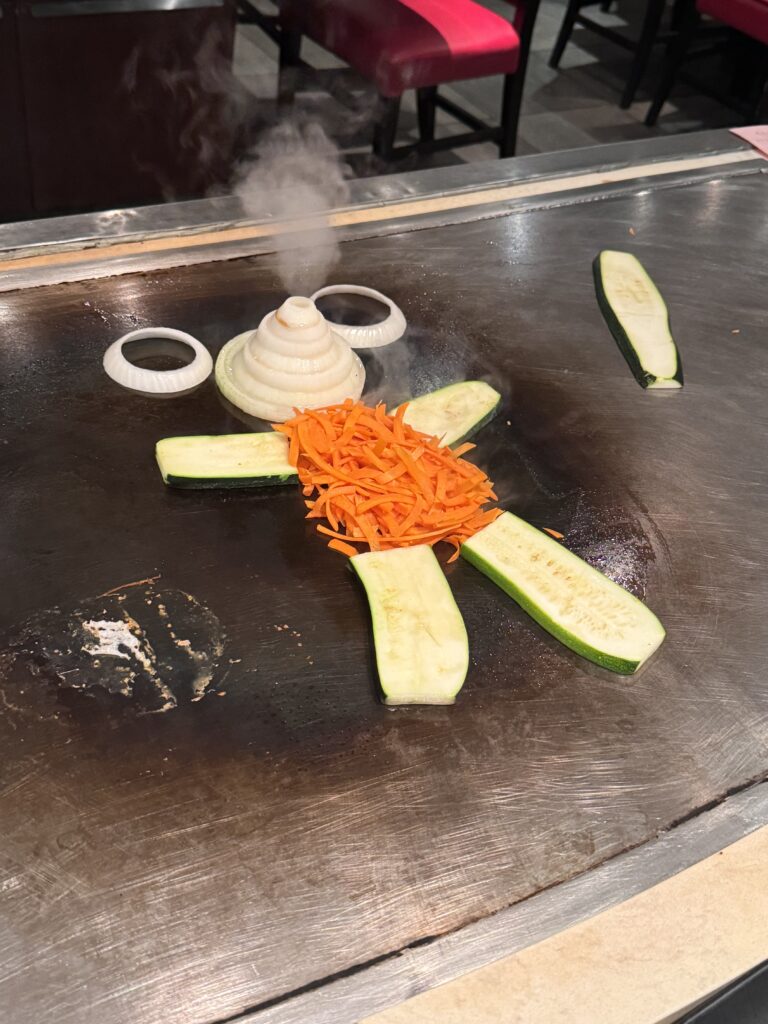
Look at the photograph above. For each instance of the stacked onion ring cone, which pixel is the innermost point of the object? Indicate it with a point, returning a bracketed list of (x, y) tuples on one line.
[(292, 361)]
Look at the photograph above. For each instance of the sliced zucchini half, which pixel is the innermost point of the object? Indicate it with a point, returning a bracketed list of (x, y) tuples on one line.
[(574, 602), (422, 652), (455, 412), (228, 460), (638, 318)]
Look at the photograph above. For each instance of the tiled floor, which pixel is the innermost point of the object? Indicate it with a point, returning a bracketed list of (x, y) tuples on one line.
[(572, 107)]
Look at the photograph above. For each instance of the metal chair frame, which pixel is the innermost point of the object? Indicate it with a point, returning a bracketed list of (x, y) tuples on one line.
[(679, 51), (429, 101), (642, 48)]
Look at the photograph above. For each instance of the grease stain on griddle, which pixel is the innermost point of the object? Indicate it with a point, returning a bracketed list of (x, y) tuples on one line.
[(154, 649), (614, 539)]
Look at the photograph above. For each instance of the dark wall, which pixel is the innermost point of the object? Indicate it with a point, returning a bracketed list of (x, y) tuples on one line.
[(113, 106)]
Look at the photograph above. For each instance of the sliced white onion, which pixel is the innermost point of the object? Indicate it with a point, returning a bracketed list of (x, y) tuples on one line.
[(158, 382), (367, 335), (293, 360)]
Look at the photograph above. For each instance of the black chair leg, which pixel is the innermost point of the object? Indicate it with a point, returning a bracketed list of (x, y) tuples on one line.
[(761, 111), (290, 60), (514, 84), (651, 22), (674, 58), (386, 127), (569, 20), (679, 11), (760, 115), (426, 104), (510, 113)]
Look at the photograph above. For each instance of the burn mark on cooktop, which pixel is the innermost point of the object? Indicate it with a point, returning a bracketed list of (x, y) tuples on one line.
[(154, 649)]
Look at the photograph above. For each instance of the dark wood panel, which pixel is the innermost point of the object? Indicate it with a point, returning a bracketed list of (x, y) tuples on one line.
[(15, 183), (126, 108), (182, 866)]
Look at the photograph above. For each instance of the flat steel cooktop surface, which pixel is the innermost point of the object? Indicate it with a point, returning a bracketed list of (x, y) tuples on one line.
[(164, 858)]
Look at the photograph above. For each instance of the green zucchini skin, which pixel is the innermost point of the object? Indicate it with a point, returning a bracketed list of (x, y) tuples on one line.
[(560, 567), (224, 484), (623, 340)]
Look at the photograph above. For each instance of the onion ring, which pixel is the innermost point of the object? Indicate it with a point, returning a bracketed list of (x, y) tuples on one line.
[(366, 335), (158, 382)]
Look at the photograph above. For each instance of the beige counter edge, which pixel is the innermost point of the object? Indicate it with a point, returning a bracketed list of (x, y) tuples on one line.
[(644, 961)]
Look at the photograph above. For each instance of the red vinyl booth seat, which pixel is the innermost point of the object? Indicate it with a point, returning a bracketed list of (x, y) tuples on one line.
[(747, 16), (409, 44)]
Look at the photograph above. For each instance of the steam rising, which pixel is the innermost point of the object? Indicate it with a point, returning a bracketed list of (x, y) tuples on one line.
[(297, 175)]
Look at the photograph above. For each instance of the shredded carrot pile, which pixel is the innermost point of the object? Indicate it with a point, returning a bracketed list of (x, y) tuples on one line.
[(381, 484)]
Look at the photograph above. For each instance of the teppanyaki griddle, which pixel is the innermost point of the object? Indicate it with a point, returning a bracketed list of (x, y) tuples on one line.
[(185, 865)]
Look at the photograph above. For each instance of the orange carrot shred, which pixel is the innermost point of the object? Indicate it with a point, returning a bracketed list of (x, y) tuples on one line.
[(293, 449), (343, 547), (382, 484), (325, 425), (463, 449), (553, 533), (397, 423), (418, 475)]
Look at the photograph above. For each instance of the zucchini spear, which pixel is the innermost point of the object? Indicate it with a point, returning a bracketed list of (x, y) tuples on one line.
[(638, 318)]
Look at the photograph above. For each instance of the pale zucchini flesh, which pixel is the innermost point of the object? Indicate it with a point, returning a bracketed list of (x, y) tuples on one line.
[(226, 460), (454, 413), (574, 602), (638, 319), (422, 651)]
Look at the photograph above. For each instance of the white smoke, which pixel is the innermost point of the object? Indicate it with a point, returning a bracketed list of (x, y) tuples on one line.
[(297, 174)]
